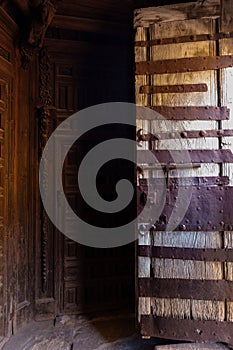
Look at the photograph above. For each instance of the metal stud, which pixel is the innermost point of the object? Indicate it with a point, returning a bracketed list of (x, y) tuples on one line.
[(184, 134), (203, 133)]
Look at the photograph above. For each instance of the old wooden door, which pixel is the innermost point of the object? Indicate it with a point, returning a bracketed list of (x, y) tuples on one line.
[(182, 72), (94, 279), (83, 279)]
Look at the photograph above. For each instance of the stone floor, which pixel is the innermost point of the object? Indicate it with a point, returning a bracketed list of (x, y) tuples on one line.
[(109, 332), (116, 332)]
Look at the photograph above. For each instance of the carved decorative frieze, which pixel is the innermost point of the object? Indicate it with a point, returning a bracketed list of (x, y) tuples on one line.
[(38, 16), (44, 127), (45, 97)]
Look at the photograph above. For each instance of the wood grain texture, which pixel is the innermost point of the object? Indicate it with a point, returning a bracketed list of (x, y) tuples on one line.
[(17, 187), (144, 304), (140, 54), (226, 97), (180, 12), (185, 99), (186, 269)]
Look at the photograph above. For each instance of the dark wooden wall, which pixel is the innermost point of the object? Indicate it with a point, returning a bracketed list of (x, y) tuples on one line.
[(17, 205), (42, 273)]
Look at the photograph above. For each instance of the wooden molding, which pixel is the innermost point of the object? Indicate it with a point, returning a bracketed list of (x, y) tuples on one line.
[(7, 24), (88, 24)]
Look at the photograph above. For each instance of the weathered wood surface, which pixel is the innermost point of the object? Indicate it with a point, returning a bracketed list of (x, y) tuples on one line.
[(158, 27), (226, 98), (178, 12), (141, 55), (17, 200)]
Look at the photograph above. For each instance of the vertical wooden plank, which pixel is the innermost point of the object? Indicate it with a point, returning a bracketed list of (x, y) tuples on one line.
[(141, 55), (226, 80), (144, 266), (226, 90), (165, 268), (173, 51), (228, 271)]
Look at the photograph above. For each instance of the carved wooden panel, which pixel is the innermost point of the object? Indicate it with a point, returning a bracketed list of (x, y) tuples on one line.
[(46, 240), (65, 89), (92, 278)]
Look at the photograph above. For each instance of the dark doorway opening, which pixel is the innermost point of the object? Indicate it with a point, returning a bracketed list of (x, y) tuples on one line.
[(90, 69)]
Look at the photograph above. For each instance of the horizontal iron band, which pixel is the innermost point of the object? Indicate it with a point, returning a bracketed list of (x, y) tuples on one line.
[(186, 289), (149, 89), (181, 65), (210, 209), (189, 330), (196, 156), (186, 253), (186, 181), (192, 134), (184, 39), (189, 113), (170, 166)]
